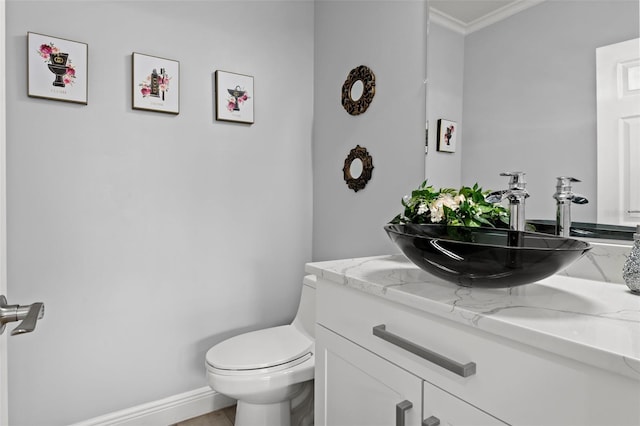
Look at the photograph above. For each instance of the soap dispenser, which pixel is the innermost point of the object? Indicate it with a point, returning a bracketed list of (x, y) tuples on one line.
[(631, 269)]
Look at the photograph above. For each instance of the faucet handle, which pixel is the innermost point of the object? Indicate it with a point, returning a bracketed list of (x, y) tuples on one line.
[(564, 183), (516, 180)]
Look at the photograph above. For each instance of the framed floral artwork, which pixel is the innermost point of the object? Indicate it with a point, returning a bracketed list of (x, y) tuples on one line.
[(156, 84), (57, 68), (447, 132), (234, 97)]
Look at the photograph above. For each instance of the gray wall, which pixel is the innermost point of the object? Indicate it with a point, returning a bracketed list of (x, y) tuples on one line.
[(530, 97), (390, 38), (445, 72), (151, 237)]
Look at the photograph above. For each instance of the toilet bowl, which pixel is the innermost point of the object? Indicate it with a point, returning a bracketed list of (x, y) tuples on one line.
[(270, 372)]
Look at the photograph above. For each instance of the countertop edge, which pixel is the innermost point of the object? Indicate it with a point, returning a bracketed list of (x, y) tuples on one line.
[(558, 345)]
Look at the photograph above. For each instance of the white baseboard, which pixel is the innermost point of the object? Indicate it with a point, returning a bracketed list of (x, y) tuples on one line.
[(166, 411)]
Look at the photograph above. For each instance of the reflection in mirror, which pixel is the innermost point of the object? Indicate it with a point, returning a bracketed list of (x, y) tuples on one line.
[(523, 93), (356, 100), (356, 90), (356, 168)]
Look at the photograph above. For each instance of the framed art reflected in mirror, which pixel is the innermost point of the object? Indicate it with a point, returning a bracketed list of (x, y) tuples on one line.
[(447, 132)]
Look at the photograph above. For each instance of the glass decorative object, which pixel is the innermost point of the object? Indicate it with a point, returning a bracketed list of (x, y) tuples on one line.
[(631, 269)]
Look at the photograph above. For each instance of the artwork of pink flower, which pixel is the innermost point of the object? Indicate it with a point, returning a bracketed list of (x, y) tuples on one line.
[(45, 50), (162, 82), (234, 103)]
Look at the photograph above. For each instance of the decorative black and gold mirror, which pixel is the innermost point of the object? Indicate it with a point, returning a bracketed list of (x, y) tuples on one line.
[(357, 168), (358, 90)]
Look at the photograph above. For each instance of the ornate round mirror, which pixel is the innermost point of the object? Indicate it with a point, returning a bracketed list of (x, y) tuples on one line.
[(357, 168), (358, 90)]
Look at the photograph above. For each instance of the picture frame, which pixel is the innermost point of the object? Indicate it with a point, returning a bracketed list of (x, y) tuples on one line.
[(155, 83), (57, 68), (234, 97), (447, 135)]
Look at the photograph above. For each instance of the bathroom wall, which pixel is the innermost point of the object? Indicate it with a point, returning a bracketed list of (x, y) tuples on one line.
[(445, 72), (390, 38), (539, 116), (151, 237)]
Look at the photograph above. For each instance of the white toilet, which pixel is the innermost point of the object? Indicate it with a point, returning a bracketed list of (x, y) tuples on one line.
[(270, 372)]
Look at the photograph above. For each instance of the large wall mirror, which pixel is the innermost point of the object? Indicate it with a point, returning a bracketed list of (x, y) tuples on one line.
[(521, 83)]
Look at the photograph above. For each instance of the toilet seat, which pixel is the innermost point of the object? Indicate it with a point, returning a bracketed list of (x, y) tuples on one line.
[(272, 349)]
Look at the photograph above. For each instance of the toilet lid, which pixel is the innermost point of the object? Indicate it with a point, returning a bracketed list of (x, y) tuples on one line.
[(259, 349)]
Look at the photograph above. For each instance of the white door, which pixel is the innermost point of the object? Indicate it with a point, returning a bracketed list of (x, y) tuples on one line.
[(618, 101), (3, 235), (10, 312)]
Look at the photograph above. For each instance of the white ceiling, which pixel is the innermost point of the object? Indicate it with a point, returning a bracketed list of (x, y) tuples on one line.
[(470, 15)]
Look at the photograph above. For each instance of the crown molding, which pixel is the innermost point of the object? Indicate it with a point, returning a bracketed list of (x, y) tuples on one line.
[(497, 15), (447, 21)]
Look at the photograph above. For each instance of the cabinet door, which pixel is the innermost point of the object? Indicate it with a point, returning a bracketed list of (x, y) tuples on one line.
[(442, 408), (354, 387)]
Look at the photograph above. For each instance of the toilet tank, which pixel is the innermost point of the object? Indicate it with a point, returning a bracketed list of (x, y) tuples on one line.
[(305, 319)]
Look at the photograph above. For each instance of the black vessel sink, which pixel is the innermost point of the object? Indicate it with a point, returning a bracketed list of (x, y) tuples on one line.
[(485, 257), (586, 230)]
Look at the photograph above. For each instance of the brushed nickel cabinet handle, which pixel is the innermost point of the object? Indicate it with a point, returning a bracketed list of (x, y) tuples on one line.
[(463, 370), (401, 409)]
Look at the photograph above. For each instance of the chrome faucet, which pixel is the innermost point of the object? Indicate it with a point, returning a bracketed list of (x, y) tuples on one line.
[(564, 197), (516, 194)]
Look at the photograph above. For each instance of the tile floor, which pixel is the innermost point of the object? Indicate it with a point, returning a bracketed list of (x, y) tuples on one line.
[(223, 417)]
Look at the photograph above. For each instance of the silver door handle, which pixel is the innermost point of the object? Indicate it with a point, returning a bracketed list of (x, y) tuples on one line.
[(401, 409), (463, 370), (28, 314)]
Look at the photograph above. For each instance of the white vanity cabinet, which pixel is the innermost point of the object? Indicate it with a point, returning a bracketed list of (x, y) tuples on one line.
[(355, 387), (360, 388), (375, 356)]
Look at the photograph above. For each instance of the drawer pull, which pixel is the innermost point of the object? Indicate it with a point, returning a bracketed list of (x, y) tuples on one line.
[(431, 421), (463, 370), (401, 409)]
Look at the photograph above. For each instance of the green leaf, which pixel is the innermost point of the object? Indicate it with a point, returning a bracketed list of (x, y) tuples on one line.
[(473, 211)]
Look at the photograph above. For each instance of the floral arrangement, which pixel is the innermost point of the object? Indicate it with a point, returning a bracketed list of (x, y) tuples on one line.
[(232, 100), (46, 51), (465, 207), (162, 80)]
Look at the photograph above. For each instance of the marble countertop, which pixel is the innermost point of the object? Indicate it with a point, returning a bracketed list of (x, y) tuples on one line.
[(593, 322)]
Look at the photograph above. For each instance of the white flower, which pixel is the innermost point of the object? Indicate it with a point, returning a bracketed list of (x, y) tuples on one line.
[(437, 206), (449, 201), (437, 214), (423, 208)]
